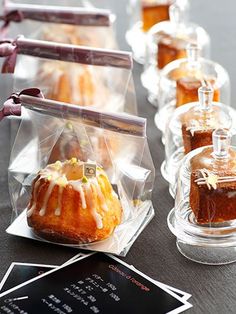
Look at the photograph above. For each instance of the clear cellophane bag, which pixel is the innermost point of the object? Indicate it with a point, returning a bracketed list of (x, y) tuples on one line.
[(80, 75), (63, 133), (70, 22), (83, 76)]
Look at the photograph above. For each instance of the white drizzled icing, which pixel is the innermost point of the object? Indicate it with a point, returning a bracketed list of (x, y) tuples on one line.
[(54, 174), (97, 217), (77, 186), (46, 198), (211, 180), (195, 125), (59, 205), (31, 210), (114, 194), (100, 194), (33, 207)]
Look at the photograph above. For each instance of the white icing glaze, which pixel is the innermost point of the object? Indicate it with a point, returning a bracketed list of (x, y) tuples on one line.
[(100, 194), (196, 126), (77, 186), (33, 207), (211, 179), (97, 217), (58, 209), (226, 179), (46, 198), (114, 194), (31, 210), (54, 174)]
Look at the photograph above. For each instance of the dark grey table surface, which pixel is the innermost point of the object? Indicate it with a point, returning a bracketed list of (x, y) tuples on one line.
[(213, 288)]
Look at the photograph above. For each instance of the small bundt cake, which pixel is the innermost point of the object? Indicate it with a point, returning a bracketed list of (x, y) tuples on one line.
[(70, 83), (91, 36), (68, 206)]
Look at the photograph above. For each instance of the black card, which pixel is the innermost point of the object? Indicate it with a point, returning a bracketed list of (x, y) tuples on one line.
[(20, 272), (96, 284)]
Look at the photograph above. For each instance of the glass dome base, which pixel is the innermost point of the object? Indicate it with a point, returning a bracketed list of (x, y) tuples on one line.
[(205, 255), (150, 81), (165, 175), (172, 190), (156, 121), (136, 39), (152, 99), (211, 246), (169, 169), (163, 116)]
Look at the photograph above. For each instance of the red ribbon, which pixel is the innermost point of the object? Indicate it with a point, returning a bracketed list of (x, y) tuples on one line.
[(12, 106)]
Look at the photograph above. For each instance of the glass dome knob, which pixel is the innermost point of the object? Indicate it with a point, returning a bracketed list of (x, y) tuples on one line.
[(176, 13), (193, 53), (221, 143), (205, 96)]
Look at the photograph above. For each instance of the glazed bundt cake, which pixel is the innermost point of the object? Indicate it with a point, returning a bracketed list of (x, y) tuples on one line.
[(70, 83), (75, 35), (73, 202)]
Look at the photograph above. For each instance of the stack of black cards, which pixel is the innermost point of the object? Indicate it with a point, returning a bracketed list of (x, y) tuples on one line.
[(93, 283)]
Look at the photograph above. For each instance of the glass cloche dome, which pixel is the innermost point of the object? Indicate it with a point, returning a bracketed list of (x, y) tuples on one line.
[(191, 127), (204, 216), (180, 80), (166, 42), (143, 14)]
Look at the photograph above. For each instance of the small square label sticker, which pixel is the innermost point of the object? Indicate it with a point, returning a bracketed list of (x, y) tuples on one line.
[(90, 170)]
